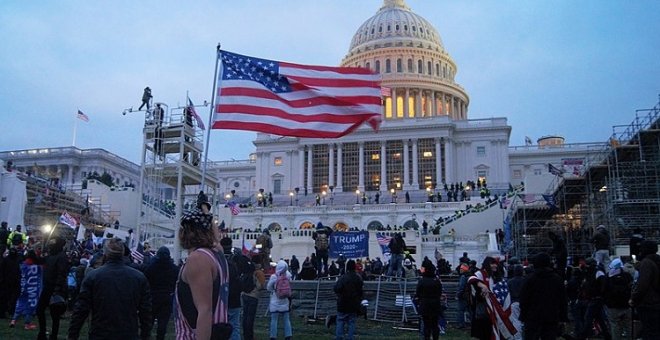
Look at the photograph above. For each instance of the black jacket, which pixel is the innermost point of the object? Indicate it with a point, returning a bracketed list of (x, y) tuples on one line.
[(56, 270), (162, 275), (429, 293), (118, 296), (543, 298), (646, 293), (349, 292)]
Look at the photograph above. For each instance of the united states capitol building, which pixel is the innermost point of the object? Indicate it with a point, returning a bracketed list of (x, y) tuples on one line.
[(378, 181)]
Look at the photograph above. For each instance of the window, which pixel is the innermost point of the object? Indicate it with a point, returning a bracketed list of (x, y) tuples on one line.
[(538, 172), (420, 66), (517, 173), (427, 154), (375, 156), (396, 27), (278, 161), (410, 66), (399, 65), (437, 70), (481, 174), (277, 186), (405, 27), (368, 65), (380, 29), (429, 68), (388, 66), (389, 28), (481, 151), (377, 66), (237, 184)]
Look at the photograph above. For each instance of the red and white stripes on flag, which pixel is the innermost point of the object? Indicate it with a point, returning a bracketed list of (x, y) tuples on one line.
[(82, 116), (294, 100)]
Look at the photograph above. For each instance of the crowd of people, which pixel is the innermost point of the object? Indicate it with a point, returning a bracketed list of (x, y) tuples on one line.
[(215, 292)]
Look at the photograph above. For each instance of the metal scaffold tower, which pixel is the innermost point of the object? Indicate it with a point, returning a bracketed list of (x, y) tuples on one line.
[(171, 172), (619, 188)]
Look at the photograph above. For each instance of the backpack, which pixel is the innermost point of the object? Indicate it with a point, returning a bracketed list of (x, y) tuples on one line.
[(321, 241), (283, 286), (618, 290)]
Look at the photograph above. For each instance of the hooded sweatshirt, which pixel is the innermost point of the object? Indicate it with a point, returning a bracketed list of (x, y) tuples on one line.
[(278, 304)]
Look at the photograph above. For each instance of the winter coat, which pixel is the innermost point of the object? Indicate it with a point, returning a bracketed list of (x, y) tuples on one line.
[(550, 307), (429, 293), (646, 293), (349, 292), (277, 304)]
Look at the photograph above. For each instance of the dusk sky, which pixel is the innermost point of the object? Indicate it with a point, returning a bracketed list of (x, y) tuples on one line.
[(564, 67)]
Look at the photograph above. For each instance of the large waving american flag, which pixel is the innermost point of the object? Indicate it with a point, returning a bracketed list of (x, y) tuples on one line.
[(384, 243), (294, 100), (498, 305)]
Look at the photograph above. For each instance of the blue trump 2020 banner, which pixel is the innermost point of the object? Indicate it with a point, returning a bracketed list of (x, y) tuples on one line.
[(352, 244)]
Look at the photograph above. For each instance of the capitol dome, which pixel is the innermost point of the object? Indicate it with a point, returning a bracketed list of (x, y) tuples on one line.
[(416, 70), (396, 23)]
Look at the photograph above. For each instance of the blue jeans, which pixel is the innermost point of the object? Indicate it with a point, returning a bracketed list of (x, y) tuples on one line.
[(274, 319), (395, 265), (249, 313), (460, 315), (595, 312), (345, 319), (234, 318)]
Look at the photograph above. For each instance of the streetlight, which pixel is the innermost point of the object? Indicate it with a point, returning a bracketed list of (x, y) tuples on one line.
[(260, 198), (227, 197), (393, 192), (291, 196), (357, 196)]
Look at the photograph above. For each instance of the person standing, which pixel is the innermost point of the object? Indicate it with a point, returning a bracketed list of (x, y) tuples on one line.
[(294, 267), (559, 252), (349, 296), (397, 246), (31, 283), (645, 295), (601, 242), (279, 305), (202, 290), (118, 298), (322, 246), (146, 97), (543, 303), (161, 274), (4, 235), (429, 293), (56, 269), (234, 300), (515, 284), (10, 282), (266, 244), (595, 286), (619, 285), (250, 301)]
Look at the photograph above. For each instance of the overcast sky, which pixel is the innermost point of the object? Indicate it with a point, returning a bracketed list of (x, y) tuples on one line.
[(566, 67)]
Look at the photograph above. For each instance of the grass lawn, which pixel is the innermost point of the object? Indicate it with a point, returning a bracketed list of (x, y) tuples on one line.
[(366, 329)]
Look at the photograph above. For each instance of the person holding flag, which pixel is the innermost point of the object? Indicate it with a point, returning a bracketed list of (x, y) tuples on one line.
[(491, 303)]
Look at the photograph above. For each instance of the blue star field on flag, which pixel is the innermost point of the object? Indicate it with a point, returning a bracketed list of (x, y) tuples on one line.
[(501, 290), (263, 71)]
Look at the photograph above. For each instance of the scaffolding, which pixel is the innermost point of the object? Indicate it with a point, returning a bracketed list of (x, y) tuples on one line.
[(619, 188), (171, 170)]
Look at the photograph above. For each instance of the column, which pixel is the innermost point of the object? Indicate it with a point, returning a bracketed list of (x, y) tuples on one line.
[(406, 170), (449, 160), (383, 166), (418, 103), (429, 104), (395, 109), (434, 105), (453, 107), (361, 166), (438, 163), (331, 165), (415, 174), (301, 168), (406, 109), (310, 150), (69, 177), (340, 161)]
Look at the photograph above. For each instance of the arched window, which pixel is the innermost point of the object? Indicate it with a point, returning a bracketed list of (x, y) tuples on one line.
[(437, 70), (405, 27), (429, 68), (377, 66), (380, 29), (388, 66), (373, 29), (420, 66), (389, 28), (399, 65), (410, 66), (396, 27), (368, 65)]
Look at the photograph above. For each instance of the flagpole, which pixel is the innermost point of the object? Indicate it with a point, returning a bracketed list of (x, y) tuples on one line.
[(75, 126), (211, 109)]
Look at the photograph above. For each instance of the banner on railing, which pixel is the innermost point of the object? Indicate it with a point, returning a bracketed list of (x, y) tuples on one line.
[(351, 244)]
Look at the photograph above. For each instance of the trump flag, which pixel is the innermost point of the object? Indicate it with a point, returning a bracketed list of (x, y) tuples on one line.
[(294, 100)]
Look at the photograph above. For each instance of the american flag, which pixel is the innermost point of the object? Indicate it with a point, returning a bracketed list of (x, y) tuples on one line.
[(82, 116), (69, 220), (498, 305), (384, 243), (550, 201), (193, 112), (294, 100), (138, 253), (554, 170), (233, 207)]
